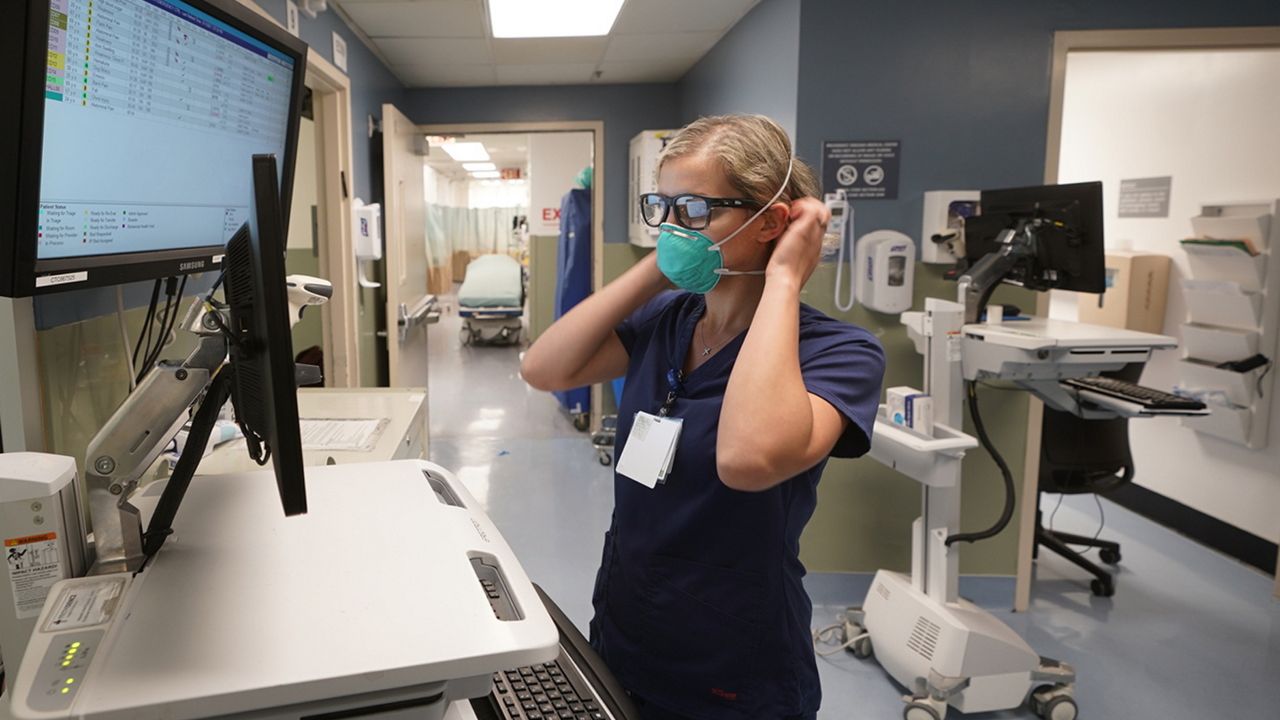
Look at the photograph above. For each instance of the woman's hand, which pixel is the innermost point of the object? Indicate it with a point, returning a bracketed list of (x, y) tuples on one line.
[(800, 246)]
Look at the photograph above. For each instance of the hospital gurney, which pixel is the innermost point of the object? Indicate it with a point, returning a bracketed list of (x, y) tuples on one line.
[(491, 301)]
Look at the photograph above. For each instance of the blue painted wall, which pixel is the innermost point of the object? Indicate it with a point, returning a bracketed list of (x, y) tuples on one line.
[(754, 68), (371, 85), (964, 86), (625, 110)]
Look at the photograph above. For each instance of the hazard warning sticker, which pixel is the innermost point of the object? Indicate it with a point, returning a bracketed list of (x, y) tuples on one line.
[(34, 566)]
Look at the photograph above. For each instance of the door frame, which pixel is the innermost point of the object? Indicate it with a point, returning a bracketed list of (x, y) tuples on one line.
[(1103, 40), (331, 101), (596, 128)]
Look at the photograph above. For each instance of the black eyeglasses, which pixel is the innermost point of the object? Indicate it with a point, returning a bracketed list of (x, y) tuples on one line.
[(692, 211)]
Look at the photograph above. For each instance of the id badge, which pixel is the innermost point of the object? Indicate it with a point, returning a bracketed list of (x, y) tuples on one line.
[(650, 449)]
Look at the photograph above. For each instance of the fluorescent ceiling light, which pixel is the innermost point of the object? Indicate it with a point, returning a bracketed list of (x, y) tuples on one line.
[(466, 151), (486, 174), (552, 18), (472, 167)]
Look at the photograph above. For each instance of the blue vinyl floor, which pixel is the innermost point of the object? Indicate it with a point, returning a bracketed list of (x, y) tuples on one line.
[(1190, 634)]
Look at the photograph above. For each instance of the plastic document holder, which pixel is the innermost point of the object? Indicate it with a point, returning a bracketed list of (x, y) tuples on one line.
[(1238, 222), (1241, 388), (1226, 263), (1228, 423), (1217, 344), (1222, 303)]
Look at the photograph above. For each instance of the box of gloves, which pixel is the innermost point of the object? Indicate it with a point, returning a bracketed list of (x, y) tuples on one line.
[(910, 408)]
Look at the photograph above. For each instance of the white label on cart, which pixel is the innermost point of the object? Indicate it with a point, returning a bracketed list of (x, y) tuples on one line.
[(34, 566), (85, 604), (955, 347)]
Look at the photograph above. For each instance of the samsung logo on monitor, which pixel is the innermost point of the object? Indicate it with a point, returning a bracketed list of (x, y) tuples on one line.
[(192, 265)]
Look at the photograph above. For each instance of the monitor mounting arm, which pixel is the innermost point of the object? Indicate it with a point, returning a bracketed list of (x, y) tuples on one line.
[(138, 432), (980, 280)]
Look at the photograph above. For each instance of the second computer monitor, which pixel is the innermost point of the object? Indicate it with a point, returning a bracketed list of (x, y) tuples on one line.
[(1069, 240)]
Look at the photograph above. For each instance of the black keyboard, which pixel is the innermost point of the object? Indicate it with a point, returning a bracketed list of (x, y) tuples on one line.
[(1147, 397), (575, 686)]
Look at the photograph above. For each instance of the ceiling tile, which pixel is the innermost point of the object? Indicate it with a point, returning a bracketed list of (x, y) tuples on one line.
[(640, 72), (420, 18), (658, 16), (546, 74), (445, 75), (557, 51), (433, 51), (660, 46)]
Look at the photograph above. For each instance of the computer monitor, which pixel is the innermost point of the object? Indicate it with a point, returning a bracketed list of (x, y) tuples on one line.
[(265, 391), (1068, 253), (126, 157)]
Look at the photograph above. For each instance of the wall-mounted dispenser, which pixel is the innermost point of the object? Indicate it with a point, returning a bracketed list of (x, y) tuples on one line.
[(366, 232)]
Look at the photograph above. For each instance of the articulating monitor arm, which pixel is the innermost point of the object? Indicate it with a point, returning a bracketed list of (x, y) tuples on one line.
[(138, 432), (979, 281)]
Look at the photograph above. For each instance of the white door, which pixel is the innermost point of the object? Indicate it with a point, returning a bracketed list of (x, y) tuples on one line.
[(409, 307)]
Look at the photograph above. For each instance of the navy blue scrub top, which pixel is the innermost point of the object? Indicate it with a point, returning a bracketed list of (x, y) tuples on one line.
[(699, 606)]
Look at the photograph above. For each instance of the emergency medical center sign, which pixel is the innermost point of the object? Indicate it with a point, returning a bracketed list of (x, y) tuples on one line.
[(864, 169)]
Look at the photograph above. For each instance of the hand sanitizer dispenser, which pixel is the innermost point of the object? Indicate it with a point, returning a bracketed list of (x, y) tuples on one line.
[(366, 233), (886, 262)]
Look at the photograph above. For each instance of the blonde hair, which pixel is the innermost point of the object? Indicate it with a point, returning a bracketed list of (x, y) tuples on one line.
[(753, 151)]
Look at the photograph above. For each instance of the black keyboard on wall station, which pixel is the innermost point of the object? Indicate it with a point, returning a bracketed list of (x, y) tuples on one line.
[(1147, 397), (575, 686)]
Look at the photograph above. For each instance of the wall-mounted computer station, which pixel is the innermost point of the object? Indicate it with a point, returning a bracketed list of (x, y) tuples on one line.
[(156, 138)]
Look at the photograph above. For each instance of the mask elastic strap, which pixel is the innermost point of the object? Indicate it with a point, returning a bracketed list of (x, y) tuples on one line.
[(785, 182)]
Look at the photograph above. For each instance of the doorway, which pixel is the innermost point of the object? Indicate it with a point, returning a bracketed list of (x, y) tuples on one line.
[(514, 208)]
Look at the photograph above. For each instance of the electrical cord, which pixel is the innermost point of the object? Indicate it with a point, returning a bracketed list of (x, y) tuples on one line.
[(172, 305), (145, 331), (971, 388), (821, 637)]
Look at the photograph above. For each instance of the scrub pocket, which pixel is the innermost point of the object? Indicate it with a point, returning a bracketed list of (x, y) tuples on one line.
[(704, 630)]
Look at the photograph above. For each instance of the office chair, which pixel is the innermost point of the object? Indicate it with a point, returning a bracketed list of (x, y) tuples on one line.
[(1084, 456)]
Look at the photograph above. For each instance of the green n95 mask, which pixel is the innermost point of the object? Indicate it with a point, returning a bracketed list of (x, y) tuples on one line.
[(692, 261)]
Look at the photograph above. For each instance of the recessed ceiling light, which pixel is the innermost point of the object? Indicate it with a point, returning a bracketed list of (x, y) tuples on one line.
[(469, 167), (466, 151), (552, 18), (483, 174)]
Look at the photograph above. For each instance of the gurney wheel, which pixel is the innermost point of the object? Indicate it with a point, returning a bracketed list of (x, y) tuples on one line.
[(464, 336), (581, 422), (920, 711), (604, 457)]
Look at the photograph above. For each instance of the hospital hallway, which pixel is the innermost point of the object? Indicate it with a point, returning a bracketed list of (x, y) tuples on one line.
[(1189, 635)]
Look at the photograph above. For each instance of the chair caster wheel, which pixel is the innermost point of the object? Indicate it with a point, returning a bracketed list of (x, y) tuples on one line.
[(920, 710), (1103, 589), (1109, 556)]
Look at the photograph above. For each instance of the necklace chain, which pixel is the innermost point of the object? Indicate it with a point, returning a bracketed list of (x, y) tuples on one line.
[(707, 348)]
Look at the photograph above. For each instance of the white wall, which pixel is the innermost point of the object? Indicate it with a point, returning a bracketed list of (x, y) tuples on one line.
[(498, 193), (555, 159), (440, 189), (1211, 120), (305, 193)]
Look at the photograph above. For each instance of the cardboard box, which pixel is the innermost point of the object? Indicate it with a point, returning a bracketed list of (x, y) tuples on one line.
[(1137, 287)]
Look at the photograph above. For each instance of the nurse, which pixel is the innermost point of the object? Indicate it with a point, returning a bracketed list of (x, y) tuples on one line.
[(699, 607)]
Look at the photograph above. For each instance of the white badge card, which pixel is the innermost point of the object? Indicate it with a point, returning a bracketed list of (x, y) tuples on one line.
[(650, 449)]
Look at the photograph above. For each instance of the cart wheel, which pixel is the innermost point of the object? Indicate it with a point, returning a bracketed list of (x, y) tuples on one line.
[(1109, 556), (605, 458), (1103, 588), (1062, 707), (581, 422)]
